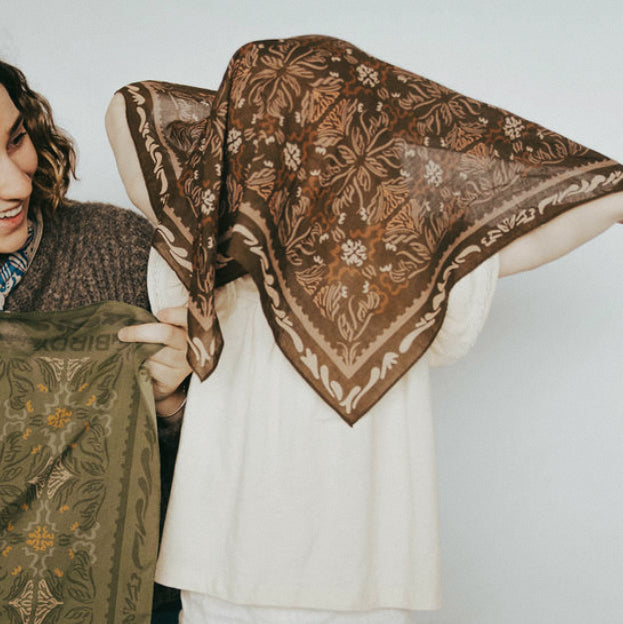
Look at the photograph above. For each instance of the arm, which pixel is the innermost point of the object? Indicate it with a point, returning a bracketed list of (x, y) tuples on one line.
[(547, 243), (126, 157), (169, 367), (561, 235)]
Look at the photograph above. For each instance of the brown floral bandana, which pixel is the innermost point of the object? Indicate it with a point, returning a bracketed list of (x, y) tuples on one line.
[(354, 192)]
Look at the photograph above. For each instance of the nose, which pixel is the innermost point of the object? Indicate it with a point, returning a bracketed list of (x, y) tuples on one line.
[(15, 182)]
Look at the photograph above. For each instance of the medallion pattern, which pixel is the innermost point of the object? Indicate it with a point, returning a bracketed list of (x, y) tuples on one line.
[(78, 469)]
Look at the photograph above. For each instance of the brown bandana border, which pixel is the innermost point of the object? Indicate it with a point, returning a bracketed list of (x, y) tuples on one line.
[(354, 192)]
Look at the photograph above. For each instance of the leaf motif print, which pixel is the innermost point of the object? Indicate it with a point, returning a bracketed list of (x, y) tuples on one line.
[(58, 479), (93, 458), (80, 584), (311, 278), (50, 373), (294, 228), (317, 100), (413, 235), (103, 387), (335, 126), (242, 64), (461, 137), (277, 204), (79, 615), (9, 498), (485, 176), (21, 599), (351, 308), (389, 196), (19, 376), (90, 498), (13, 452), (262, 181), (368, 154), (554, 149), (353, 186), (437, 108), (279, 76)]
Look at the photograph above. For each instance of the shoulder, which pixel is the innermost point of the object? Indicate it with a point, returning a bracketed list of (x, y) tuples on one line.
[(102, 249), (103, 221), (89, 252)]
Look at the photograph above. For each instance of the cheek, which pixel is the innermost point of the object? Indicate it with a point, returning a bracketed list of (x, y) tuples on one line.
[(28, 158)]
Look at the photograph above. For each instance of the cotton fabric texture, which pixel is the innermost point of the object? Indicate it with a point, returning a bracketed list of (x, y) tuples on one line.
[(354, 192), (79, 487), (277, 504)]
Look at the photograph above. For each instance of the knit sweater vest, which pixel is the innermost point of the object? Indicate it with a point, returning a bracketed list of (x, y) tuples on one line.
[(88, 253)]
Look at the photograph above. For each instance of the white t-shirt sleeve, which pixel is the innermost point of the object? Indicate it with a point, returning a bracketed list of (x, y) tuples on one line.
[(468, 307), (164, 288)]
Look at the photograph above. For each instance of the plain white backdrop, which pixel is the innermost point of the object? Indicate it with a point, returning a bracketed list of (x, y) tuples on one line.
[(530, 423)]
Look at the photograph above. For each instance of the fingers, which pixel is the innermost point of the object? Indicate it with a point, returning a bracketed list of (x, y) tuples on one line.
[(171, 331), (169, 366), (166, 377), (159, 333), (174, 316), (169, 357)]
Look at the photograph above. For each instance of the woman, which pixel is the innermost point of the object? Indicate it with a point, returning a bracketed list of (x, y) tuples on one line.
[(344, 187), (57, 254)]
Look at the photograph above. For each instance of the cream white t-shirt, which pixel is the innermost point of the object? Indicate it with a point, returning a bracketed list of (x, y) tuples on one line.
[(277, 502)]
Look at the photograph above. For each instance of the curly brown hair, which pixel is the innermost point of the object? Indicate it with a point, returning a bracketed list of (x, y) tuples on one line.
[(57, 157)]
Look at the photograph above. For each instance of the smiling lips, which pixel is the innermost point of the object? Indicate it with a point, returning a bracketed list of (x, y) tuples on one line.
[(13, 212)]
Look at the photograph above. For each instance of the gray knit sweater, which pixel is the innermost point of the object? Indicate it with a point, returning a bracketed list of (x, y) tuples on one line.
[(88, 253)]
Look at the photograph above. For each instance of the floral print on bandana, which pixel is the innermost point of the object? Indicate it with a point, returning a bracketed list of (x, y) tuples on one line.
[(354, 192)]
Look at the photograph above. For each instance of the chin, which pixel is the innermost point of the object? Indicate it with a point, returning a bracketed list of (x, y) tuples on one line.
[(14, 241)]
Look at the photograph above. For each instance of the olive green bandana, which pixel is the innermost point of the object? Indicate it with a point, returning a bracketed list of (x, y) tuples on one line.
[(79, 487)]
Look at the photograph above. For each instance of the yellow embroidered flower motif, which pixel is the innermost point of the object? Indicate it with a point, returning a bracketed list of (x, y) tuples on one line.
[(40, 538), (7, 550), (26, 433), (58, 572), (91, 400), (36, 449), (83, 386), (42, 388), (60, 418), (29, 407), (16, 571)]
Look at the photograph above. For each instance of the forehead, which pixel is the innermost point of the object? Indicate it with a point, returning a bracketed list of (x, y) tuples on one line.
[(8, 112)]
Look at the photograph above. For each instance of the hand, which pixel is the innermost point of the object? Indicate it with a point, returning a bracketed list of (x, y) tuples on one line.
[(168, 368)]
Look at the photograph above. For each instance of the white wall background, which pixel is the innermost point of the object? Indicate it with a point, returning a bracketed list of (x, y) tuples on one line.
[(529, 425)]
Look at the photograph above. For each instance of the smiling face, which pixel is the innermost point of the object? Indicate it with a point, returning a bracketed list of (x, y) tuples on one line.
[(18, 163)]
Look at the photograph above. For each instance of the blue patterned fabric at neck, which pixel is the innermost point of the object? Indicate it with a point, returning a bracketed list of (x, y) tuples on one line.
[(16, 264)]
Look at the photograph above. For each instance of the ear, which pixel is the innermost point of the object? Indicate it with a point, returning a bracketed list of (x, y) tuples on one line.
[(128, 164)]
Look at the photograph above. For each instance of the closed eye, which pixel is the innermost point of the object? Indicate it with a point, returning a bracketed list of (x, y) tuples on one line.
[(18, 138), (17, 133)]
